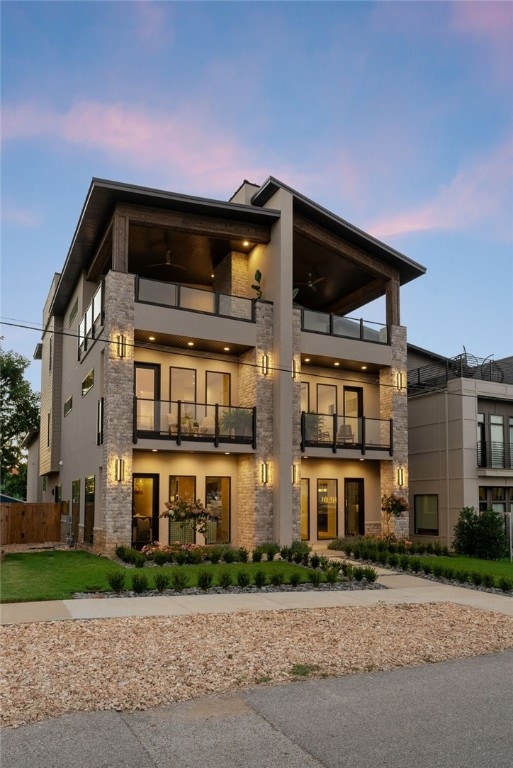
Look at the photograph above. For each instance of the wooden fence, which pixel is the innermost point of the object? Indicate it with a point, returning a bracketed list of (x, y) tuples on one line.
[(30, 523)]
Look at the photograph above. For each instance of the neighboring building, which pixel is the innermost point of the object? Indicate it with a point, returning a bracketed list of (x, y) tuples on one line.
[(163, 374), (34, 485), (460, 413)]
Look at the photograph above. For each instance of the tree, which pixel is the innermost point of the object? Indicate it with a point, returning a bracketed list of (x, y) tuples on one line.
[(19, 413), (480, 535)]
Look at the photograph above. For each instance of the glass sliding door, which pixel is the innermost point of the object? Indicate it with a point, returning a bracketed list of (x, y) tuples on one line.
[(183, 486), (147, 392), (353, 411), (145, 512), (217, 500), (182, 386), (327, 502)]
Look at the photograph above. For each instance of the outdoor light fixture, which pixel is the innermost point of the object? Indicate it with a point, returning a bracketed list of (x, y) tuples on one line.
[(265, 364), (399, 380), (264, 472), (121, 345), (119, 470), (294, 368), (400, 477), (295, 474)]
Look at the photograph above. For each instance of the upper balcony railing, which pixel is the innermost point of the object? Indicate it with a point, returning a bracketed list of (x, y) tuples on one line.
[(327, 430), (199, 422), (494, 455), (345, 327), (194, 299)]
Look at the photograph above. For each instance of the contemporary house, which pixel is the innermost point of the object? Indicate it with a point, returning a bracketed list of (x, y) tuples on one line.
[(460, 439), (215, 350)]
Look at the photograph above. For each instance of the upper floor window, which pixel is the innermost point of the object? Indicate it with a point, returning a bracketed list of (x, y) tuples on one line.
[(68, 405), (88, 382), (73, 313)]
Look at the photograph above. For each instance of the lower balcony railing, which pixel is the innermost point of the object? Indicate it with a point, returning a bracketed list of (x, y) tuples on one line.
[(494, 455), (201, 422), (326, 430), (345, 327)]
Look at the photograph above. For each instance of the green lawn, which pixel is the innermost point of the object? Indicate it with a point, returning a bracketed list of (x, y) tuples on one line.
[(495, 568), (57, 575)]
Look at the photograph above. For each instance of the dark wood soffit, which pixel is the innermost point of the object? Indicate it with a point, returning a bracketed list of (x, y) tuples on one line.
[(351, 253), (358, 298), (208, 226), (101, 257)]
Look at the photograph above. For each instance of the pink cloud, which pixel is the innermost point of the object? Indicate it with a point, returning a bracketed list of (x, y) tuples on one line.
[(491, 24), (480, 192)]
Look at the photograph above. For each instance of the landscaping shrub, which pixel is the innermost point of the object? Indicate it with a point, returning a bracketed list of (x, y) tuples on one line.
[(181, 557), (286, 553), (229, 555), (357, 551), (462, 576), (448, 573), (242, 555), (415, 564), (162, 581), (477, 578), (225, 579), (480, 535), (215, 554), (121, 553), (331, 575), (488, 581), (297, 557), (427, 569), (260, 579), (139, 583), (256, 555), (161, 557), (437, 570), (243, 579), (382, 557), (347, 549), (315, 561), (116, 581), (195, 556), (393, 559), (277, 579), (294, 579), (369, 574), (506, 584), (404, 562), (348, 571), (179, 579), (139, 560), (314, 577), (205, 579), (358, 573)]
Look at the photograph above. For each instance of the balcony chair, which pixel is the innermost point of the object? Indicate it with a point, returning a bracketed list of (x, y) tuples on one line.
[(345, 434), (207, 426), (172, 422)]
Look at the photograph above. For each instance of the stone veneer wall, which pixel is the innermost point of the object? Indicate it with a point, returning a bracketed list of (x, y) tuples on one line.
[(231, 275), (296, 421), (394, 405), (255, 501), (118, 392)]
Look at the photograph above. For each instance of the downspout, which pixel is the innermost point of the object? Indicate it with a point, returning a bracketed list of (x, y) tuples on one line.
[(447, 484)]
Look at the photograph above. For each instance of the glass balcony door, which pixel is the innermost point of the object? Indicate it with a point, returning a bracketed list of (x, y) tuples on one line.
[(147, 392)]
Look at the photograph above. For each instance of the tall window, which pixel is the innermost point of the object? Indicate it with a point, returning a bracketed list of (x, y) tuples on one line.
[(305, 396), (89, 491), (426, 514), (182, 386), (217, 500), (497, 440), (88, 382), (217, 388)]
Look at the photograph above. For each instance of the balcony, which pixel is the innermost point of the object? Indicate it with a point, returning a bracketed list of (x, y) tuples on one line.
[(343, 327), (196, 422), (180, 296), (493, 455), (361, 434)]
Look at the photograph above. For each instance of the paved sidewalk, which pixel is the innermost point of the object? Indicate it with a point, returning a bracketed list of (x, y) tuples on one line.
[(402, 588)]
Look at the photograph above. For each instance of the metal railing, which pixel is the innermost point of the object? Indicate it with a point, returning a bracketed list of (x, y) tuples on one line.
[(180, 296), (465, 366), (323, 430), (201, 422), (494, 455), (345, 327)]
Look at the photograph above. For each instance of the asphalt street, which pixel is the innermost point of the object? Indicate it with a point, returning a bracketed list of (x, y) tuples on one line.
[(455, 714)]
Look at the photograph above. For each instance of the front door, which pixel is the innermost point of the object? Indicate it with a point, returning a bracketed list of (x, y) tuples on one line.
[(327, 502), (354, 507), (145, 511)]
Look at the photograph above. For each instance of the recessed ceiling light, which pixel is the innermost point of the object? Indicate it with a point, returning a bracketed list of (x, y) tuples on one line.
[(154, 450), (337, 363), (307, 359), (226, 349), (190, 343), (364, 367), (245, 243), (151, 338), (212, 275)]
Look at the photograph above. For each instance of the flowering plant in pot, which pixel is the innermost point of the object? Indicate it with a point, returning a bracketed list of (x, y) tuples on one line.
[(185, 511)]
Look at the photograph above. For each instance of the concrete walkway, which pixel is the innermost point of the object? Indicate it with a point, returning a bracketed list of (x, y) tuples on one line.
[(402, 588)]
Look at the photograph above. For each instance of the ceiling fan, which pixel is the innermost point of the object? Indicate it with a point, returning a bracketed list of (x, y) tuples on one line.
[(167, 262), (312, 283)]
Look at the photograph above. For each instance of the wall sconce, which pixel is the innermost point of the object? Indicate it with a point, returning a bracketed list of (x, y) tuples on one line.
[(264, 472), (295, 474), (119, 470), (121, 345), (265, 365), (399, 380), (400, 477)]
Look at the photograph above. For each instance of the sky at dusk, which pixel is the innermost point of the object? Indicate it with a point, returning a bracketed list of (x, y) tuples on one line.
[(396, 116)]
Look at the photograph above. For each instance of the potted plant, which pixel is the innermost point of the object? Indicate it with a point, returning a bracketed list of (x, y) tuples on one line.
[(236, 421)]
